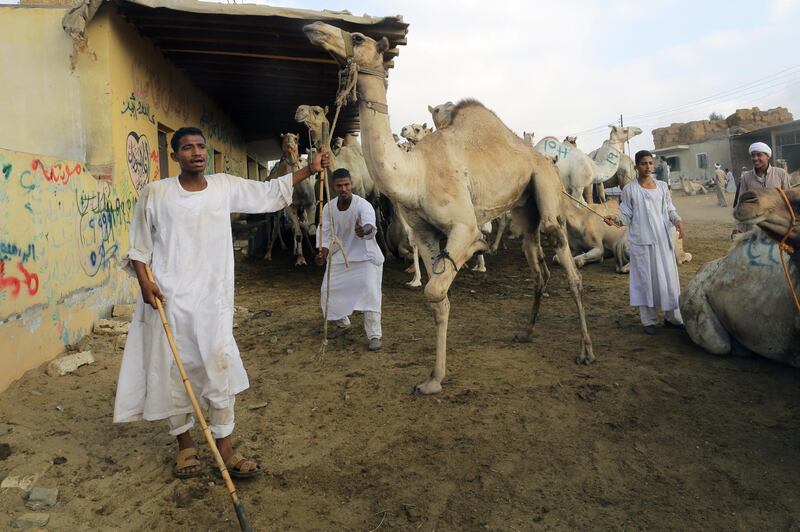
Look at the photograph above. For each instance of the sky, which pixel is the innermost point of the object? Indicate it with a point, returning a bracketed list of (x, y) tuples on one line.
[(572, 67)]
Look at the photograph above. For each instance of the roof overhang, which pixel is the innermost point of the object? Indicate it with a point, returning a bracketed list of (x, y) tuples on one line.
[(253, 60), (672, 148)]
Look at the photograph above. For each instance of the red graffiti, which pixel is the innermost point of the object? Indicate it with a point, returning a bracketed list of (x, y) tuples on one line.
[(58, 173), (31, 280)]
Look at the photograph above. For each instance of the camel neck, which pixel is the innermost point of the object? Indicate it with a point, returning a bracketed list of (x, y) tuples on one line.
[(386, 162)]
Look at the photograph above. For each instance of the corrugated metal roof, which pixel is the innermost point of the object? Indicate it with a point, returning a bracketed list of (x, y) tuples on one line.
[(254, 60)]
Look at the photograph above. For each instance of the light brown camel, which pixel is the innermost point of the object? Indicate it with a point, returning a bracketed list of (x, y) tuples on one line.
[(304, 199), (456, 179), (692, 188), (741, 303), (442, 114), (528, 136), (288, 163), (589, 237)]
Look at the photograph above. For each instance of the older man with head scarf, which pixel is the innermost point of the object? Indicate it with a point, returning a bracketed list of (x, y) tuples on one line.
[(719, 181), (762, 176)]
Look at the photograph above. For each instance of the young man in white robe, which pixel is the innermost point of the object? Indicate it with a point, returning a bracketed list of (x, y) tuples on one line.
[(646, 208), (355, 286), (181, 228)]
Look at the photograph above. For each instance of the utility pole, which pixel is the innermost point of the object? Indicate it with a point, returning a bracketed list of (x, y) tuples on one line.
[(622, 124)]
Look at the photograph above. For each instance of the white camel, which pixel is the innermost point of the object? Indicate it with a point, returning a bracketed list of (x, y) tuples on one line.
[(741, 303), (578, 170), (455, 180)]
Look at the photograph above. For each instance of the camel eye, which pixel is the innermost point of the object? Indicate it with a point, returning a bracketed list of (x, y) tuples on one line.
[(358, 38)]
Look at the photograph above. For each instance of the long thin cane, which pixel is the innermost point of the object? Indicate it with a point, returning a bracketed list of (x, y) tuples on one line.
[(244, 524)]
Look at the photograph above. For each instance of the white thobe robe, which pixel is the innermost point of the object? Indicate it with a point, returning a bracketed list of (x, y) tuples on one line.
[(357, 287), (186, 239), (650, 215)]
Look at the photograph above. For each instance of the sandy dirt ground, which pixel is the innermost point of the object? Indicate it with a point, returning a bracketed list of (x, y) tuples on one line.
[(657, 434)]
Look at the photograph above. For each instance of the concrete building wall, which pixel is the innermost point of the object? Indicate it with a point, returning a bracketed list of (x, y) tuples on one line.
[(77, 147), (715, 151)]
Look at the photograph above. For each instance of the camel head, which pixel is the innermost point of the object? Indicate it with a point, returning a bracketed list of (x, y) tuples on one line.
[(767, 210), (573, 141), (367, 52), (315, 118), (442, 114), (528, 137), (623, 134), (415, 132), (289, 143)]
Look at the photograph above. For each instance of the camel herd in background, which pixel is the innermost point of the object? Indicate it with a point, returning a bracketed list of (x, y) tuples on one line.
[(441, 191)]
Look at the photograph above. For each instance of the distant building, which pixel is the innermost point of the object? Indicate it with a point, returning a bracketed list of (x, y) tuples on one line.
[(692, 149)]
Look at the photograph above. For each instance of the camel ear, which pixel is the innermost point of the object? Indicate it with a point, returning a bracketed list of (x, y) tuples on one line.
[(430, 109), (383, 45), (283, 135), (425, 125), (325, 111)]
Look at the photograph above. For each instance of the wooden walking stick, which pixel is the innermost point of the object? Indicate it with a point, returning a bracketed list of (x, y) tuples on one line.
[(244, 524)]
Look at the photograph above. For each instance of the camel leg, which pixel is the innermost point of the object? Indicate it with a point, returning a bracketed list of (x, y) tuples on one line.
[(297, 234), (558, 236), (601, 192), (531, 246), (502, 224), (417, 280), (272, 230), (480, 264), (462, 242)]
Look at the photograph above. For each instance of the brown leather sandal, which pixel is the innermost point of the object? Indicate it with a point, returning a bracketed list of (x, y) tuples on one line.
[(241, 467), (185, 464)]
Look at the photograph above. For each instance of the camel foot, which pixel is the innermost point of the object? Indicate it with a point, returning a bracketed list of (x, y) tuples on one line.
[(268, 257), (300, 262), (481, 269), (524, 338), (414, 284), (586, 358), (429, 387)]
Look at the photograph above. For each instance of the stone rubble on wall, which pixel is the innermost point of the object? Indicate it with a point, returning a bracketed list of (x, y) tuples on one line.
[(111, 327), (742, 121)]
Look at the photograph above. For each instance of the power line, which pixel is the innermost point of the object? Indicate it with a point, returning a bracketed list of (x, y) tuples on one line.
[(764, 83)]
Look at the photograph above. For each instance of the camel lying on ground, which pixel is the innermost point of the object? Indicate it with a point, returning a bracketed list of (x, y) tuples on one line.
[(692, 188), (741, 303), (622, 251), (590, 238), (455, 180)]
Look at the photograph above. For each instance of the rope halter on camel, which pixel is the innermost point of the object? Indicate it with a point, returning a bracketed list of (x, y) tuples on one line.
[(786, 247)]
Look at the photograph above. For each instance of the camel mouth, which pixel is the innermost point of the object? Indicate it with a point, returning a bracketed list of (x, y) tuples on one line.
[(753, 220), (320, 34)]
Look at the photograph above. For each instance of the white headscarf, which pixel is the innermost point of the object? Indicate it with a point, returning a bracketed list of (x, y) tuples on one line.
[(761, 148), (717, 166)]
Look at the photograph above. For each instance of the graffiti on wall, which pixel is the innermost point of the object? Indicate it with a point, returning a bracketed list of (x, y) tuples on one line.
[(137, 153), (60, 227), (160, 92), (215, 129), (135, 108)]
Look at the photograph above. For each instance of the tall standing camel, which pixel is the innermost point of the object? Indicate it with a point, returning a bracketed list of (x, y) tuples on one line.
[(288, 163), (455, 180), (304, 199), (720, 303)]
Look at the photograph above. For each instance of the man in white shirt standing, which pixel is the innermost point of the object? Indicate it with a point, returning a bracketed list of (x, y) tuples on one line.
[(356, 265)]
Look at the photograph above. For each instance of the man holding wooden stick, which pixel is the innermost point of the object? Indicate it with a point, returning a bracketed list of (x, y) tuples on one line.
[(181, 229)]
